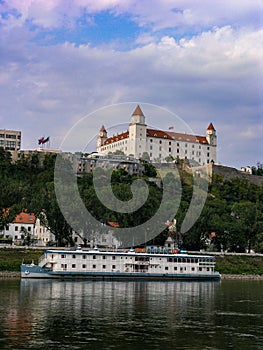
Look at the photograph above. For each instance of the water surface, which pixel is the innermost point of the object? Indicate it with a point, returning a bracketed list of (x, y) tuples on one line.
[(39, 314)]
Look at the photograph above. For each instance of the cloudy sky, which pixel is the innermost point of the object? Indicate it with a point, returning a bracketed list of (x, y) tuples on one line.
[(202, 60)]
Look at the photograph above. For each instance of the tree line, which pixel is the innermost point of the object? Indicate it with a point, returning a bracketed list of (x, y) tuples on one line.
[(231, 219)]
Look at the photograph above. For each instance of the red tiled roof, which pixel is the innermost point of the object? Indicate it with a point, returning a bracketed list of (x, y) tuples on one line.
[(176, 136), (160, 134), (117, 137), (113, 224), (24, 218), (137, 111), (210, 127)]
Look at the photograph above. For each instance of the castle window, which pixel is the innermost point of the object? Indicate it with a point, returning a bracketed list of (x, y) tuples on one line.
[(170, 143), (170, 149), (160, 148), (177, 144), (151, 140), (155, 135), (178, 151), (160, 141)]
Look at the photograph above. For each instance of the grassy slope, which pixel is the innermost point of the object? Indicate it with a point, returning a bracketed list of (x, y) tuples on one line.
[(10, 259), (240, 264)]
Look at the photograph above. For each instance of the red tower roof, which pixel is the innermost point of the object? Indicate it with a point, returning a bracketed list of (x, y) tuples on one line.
[(211, 127), (137, 111)]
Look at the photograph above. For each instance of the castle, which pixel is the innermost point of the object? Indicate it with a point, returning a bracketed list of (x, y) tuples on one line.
[(159, 145)]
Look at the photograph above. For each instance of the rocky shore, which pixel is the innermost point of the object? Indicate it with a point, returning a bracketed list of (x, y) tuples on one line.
[(9, 274), (241, 277)]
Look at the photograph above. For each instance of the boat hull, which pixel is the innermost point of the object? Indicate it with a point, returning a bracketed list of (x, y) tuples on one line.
[(34, 271)]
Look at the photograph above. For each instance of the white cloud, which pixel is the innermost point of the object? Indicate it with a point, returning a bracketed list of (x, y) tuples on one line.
[(214, 75)]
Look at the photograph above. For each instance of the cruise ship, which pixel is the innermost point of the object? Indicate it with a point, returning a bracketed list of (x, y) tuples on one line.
[(153, 262)]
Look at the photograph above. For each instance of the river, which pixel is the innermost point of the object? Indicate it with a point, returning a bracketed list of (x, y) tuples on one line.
[(46, 314)]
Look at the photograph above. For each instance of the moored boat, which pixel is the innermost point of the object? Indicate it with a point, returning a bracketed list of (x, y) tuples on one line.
[(157, 263)]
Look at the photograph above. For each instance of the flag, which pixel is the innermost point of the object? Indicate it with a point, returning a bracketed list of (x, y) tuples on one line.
[(45, 140), (41, 141), (171, 127)]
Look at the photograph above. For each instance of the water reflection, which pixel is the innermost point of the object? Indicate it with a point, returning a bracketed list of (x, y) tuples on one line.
[(38, 314)]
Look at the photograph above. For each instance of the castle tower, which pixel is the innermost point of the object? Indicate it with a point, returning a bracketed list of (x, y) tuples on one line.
[(137, 133), (211, 135), (102, 137)]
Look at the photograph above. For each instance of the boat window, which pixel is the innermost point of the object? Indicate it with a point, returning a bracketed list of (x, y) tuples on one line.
[(84, 256), (175, 268), (83, 266), (166, 267), (114, 266), (94, 266), (113, 257), (103, 257), (63, 256), (200, 268), (73, 266), (193, 268), (94, 256), (73, 256), (104, 266)]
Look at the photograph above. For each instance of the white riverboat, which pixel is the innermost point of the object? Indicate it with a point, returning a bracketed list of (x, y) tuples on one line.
[(159, 263)]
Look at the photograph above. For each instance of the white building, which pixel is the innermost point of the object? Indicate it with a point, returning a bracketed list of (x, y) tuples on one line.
[(139, 141), (42, 234), (25, 225), (10, 140), (22, 226)]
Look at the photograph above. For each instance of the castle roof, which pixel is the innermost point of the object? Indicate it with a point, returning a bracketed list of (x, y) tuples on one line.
[(160, 134), (117, 137), (176, 136), (211, 127), (138, 111)]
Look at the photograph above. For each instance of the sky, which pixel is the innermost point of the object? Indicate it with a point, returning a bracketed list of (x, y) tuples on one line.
[(65, 60)]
